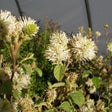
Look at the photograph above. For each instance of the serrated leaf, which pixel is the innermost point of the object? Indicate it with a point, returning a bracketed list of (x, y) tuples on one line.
[(27, 69), (77, 97), (39, 71), (66, 106), (58, 84), (97, 81), (6, 87), (59, 71)]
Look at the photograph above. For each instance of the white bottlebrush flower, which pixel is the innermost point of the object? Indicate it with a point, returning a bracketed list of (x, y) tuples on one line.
[(27, 99), (109, 47), (83, 48), (71, 81), (29, 28), (59, 37), (89, 82), (18, 30), (9, 22), (22, 80), (9, 71), (57, 50), (26, 104), (51, 95)]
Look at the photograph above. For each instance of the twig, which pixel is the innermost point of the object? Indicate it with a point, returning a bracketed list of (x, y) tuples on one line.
[(69, 62), (106, 34), (22, 61), (14, 50)]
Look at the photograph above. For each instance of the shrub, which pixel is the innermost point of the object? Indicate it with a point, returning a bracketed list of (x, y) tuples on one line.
[(52, 71)]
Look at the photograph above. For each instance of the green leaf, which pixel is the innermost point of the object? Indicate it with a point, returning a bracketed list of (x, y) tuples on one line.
[(59, 71), (39, 71), (27, 69), (97, 81), (16, 94), (50, 110), (56, 85), (6, 87), (66, 106), (86, 73), (77, 97)]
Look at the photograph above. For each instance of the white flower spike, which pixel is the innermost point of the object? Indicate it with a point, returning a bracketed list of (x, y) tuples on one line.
[(82, 48), (57, 50)]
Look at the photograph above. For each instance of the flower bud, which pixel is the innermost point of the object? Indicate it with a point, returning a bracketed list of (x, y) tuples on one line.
[(98, 34)]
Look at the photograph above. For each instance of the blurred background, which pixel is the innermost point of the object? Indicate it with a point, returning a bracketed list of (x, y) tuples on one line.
[(70, 14)]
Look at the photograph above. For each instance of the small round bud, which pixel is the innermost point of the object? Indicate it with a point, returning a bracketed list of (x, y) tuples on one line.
[(106, 25)]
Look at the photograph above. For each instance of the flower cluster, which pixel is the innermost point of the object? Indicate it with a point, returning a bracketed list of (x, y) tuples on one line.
[(71, 81), (25, 104), (10, 27), (28, 27), (51, 95), (99, 62), (88, 107), (7, 25), (57, 50), (91, 86), (109, 47), (83, 48), (21, 80)]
